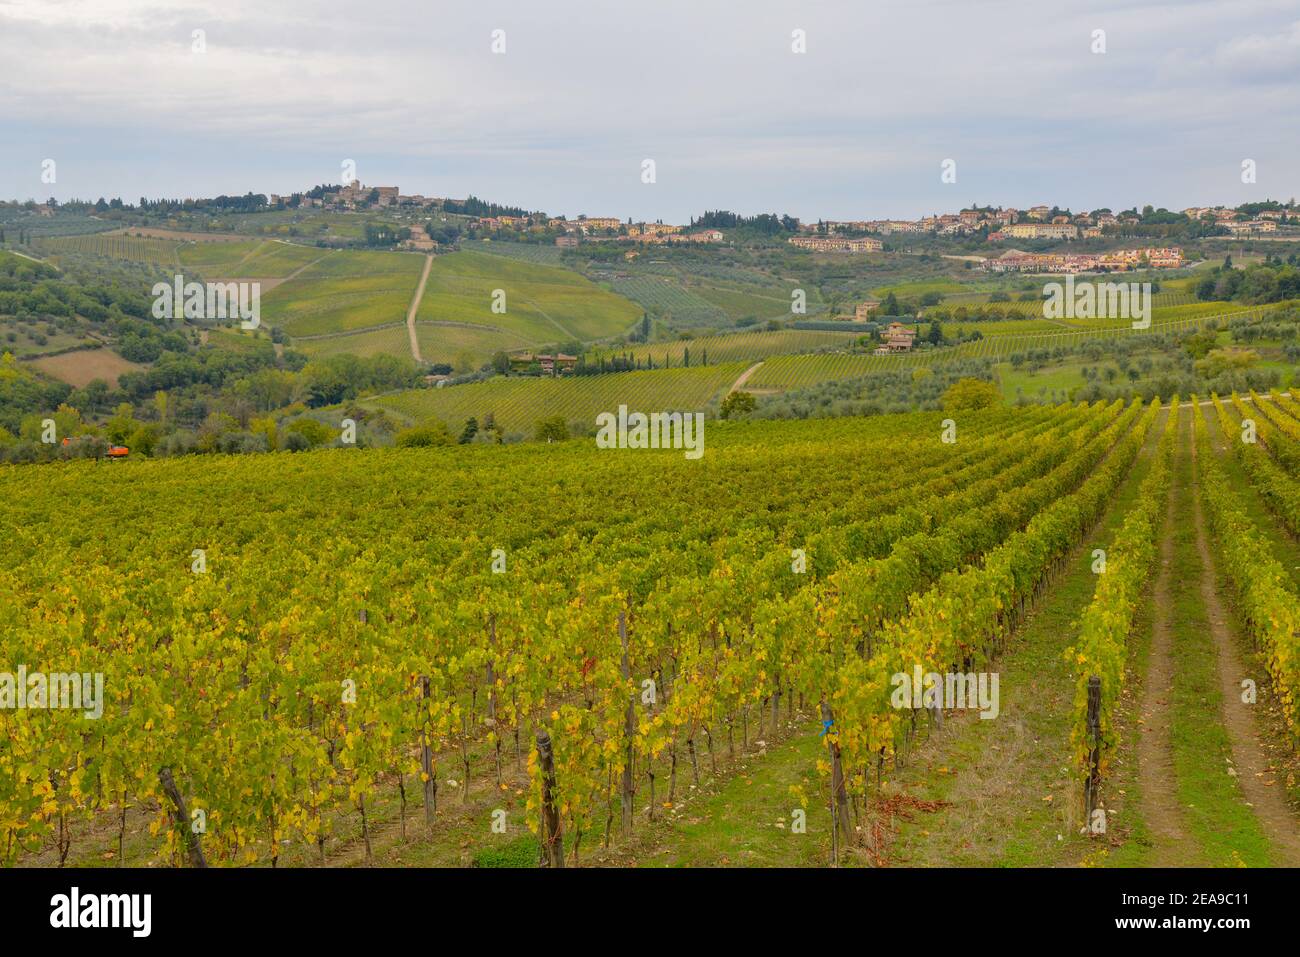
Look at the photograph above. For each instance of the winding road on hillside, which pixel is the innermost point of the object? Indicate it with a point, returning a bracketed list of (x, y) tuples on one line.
[(744, 377), (415, 307)]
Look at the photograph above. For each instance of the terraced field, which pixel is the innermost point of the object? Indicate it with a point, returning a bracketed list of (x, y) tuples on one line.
[(668, 298)]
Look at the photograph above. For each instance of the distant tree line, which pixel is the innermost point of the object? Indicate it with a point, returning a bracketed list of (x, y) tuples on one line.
[(473, 206), (768, 224), (1272, 280)]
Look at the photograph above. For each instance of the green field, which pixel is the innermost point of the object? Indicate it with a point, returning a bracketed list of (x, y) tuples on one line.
[(392, 340), (527, 252), (236, 340), (343, 292), (1002, 327), (738, 303), (158, 252), (1033, 385), (253, 260), (38, 337), (518, 403), (667, 298), (543, 304), (458, 344), (790, 372), (734, 347)]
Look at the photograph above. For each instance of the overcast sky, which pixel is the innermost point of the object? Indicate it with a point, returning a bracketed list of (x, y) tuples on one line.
[(858, 126)]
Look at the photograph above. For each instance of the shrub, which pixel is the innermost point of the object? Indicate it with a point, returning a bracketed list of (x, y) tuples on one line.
[(553, 428), (296, 442), (178, 443), (239, 443), (429, 435)]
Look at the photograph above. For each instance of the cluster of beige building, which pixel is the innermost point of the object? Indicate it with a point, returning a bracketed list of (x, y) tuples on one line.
[(1036, 231), (967, 221), (354, 195), (836, 244), (1119, 260), (1265, 221), (605, 228), (1035, 222), (1251, 226)]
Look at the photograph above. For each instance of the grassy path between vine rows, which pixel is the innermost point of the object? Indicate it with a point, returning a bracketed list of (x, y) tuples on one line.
[(1012, 797), (1166, 841)]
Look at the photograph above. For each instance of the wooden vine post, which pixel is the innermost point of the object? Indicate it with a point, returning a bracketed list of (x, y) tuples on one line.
[(841, 824), (492, 691), (629, 730), (181, 817), (1093, 783), (426, 759), (552, 838)]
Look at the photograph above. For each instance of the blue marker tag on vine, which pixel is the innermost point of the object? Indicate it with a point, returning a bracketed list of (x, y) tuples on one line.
[(826, 726)]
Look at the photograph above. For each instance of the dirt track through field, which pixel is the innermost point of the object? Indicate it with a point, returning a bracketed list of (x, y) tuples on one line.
[(415, 307), (1160, 807), (744, 377)]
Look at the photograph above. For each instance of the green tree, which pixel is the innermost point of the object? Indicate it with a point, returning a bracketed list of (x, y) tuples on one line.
[(316, 433), (121, 425), (144, 439), (1219, 361), (266, 428), (552, 429), (737, 403), (967, 394)]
